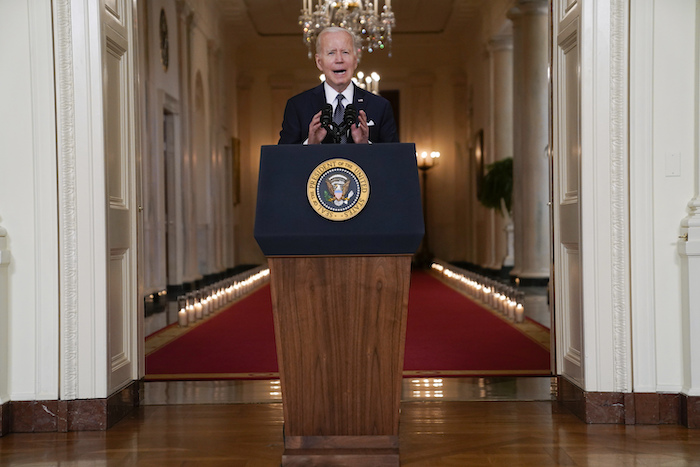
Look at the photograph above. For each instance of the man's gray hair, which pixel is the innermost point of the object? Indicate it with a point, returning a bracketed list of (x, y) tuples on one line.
[(355, 40)]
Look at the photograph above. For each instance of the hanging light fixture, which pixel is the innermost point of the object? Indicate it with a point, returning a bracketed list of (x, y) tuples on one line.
[(362, 17)]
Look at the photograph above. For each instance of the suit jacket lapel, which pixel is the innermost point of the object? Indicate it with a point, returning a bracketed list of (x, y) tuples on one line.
[(319, 98)]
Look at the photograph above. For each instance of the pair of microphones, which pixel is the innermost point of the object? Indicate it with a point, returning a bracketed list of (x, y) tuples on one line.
[(334, 129)]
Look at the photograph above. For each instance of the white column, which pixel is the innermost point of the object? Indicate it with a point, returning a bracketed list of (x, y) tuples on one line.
[(185, 175), (689, 249), (530, 136), (501, 111), (690, 252)]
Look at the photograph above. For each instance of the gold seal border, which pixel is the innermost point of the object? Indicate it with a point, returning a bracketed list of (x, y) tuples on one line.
[(320, 171)]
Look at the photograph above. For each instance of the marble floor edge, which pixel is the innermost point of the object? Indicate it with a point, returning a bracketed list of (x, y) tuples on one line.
[(520, 388)]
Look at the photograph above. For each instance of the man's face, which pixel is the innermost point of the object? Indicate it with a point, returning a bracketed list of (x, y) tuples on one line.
[(337, 59)]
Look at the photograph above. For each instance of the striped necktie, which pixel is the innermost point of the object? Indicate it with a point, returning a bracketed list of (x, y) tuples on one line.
[(338, 117)]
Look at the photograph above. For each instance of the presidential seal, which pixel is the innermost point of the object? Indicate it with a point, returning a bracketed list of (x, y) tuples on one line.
[(338, 189)]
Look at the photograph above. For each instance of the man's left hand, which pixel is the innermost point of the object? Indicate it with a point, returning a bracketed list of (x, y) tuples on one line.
[(360, 134)]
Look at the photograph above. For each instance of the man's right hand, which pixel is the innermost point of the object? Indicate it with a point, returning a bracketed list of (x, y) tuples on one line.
[(316, 131)]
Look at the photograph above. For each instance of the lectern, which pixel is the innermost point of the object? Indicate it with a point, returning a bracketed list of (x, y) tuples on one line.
[(339, 225)]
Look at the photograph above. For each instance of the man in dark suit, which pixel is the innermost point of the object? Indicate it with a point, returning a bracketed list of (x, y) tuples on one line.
[(337, 57)]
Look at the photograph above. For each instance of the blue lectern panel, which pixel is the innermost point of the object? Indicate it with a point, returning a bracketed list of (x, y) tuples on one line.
[(390, 220)]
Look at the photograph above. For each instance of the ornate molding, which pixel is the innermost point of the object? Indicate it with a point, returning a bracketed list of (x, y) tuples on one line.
[(67, 198), (619, 198)]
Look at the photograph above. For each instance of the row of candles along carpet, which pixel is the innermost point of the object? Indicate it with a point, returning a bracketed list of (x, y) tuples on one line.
[(200, 303), (501, 297)]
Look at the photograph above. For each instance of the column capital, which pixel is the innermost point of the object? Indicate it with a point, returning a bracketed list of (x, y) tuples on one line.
[(528, 8), (500, 42)]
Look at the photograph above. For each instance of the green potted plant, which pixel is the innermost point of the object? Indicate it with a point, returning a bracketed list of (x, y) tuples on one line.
[(496, 192)]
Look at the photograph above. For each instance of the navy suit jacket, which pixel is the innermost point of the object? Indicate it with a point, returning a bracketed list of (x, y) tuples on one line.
[(302, 108)]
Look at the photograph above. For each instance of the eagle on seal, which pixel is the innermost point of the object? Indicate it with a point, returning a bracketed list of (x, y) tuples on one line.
[(339, 190)]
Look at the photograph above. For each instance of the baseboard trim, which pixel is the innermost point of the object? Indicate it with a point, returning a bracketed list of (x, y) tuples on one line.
[(629, 408), (73, 415), (4, 419)]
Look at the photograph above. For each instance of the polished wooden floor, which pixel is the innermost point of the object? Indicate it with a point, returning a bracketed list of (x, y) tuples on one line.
[(451, 422)]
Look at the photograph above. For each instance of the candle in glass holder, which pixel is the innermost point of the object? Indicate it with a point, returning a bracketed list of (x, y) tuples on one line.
[(214, 303), (182, 310), (205, 306), (190, 308), (519, 313)]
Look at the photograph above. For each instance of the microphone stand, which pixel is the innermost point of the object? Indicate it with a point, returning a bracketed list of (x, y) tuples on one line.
[(335, 130)]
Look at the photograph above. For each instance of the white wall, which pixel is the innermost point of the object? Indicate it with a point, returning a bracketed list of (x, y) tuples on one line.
[(28, 197), (663, 124), (674, 125)]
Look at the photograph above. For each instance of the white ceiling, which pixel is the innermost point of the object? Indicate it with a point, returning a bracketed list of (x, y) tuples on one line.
[(280, 17)]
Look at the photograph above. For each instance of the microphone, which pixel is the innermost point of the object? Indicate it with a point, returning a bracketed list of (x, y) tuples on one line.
[(349, 119), (327, 116), (350, 116)]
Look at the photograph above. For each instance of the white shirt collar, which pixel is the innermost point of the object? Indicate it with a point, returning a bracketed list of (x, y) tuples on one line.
[(348, 94)]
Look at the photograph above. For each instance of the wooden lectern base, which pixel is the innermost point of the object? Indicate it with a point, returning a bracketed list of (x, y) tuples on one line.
[(340, 329)]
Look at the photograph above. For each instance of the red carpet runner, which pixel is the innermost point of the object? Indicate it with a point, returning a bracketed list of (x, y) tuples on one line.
[(447, 334)]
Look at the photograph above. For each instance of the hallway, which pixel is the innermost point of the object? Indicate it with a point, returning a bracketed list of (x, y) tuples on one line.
[(448, 333), (528, 431)]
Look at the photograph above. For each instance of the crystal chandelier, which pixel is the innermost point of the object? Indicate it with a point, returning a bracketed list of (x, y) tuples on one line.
[(362, 17)]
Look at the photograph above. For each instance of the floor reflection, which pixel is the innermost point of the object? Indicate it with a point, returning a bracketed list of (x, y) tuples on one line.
[(530, 388)]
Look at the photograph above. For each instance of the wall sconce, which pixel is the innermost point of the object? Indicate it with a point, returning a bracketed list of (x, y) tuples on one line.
[(368, 82), (427, 161)]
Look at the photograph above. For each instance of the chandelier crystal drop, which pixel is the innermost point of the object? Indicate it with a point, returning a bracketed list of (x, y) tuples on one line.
[(362, 17)]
